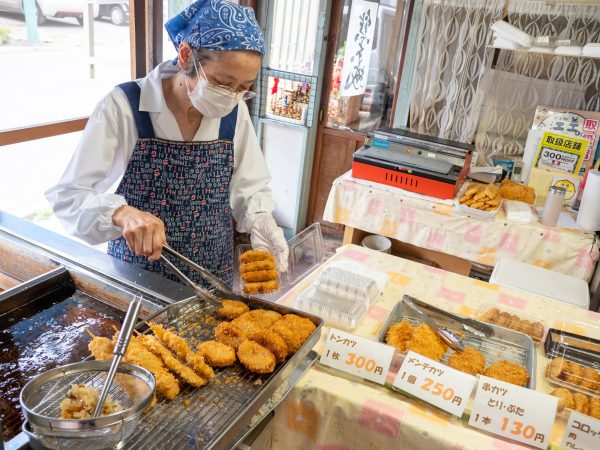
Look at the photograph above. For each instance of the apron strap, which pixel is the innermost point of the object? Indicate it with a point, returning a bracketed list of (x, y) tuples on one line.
[(142, 118), (227, 126)]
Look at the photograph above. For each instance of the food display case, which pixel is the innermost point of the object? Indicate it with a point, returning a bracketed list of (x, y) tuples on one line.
[(61, 290)]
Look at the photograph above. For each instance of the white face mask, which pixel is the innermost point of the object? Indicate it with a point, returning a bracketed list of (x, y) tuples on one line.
[(214, 101)]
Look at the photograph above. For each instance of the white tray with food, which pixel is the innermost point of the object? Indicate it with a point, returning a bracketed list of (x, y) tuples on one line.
[(479, 200)]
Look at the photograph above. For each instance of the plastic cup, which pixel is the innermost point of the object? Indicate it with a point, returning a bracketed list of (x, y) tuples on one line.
[(379, 243)]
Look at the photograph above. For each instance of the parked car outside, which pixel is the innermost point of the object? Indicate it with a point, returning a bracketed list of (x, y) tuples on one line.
[(117, 12)]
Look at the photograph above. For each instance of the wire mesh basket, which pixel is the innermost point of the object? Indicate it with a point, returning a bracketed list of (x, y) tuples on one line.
[(133, 388)]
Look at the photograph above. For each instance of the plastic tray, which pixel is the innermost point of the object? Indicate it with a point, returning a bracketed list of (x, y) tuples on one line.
[(465, 210), (337, 311), (514, 320), (574, 362), (305, 255), (504, 344), (352, 286)]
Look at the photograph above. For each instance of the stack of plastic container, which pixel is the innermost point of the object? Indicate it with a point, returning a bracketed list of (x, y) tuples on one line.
[(342, 294)]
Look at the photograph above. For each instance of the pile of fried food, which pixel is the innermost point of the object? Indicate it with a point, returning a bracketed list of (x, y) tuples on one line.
[(515, 191), (514, 322), (259, 339), (257, 269), (577, 401), (575, 374), (482, 197), (423, 340), (81, 401)]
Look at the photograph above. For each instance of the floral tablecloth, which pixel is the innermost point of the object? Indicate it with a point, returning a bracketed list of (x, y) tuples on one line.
[(439, 227), (329, 411)]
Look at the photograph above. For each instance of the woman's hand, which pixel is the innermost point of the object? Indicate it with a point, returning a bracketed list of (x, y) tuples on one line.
[(144, 232)]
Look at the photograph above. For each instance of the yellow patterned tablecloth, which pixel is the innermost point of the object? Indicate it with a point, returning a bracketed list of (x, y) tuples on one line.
[(328, 411), (439, 227)]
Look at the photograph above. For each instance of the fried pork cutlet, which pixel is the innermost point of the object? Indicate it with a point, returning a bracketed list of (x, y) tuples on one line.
[(294, 330), (232, 309), (565, 398), (256, 320), (470, 361), (230, 334), (425, 342), (255, 357), (273, 342), (508, 371), (399, 334), (217, 354)]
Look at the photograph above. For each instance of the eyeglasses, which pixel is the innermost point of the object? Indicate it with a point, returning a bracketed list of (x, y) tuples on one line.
[(246, 95)]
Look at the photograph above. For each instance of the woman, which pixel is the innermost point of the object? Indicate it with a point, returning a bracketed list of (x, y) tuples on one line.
[(182, 148)]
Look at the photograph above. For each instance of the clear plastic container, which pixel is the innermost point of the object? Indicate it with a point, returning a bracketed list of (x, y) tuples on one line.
[(513, 320), (337, 311), (305, 255), (349, 285)]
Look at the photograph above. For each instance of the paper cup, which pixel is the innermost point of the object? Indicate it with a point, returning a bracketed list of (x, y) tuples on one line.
[(379, 243)]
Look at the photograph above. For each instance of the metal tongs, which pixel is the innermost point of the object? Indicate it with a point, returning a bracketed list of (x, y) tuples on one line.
[(119, 350), (202, 292), (445, 335)]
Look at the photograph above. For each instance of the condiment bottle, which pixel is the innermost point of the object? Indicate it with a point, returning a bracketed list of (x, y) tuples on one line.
[(553, 205)]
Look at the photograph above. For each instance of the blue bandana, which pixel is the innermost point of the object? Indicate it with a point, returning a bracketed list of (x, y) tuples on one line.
[(216, 25)]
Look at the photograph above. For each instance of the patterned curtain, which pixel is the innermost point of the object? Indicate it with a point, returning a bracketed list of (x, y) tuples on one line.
[(449, 65)]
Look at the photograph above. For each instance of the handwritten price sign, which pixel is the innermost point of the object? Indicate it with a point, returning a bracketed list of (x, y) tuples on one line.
[(582, 433), (435, 383), (357, 356), (513, 412)]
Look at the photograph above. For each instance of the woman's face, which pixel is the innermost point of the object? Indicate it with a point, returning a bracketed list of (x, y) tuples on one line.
[(236, 70)]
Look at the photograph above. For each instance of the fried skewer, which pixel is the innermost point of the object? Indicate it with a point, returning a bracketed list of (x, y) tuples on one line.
[(175, 343)]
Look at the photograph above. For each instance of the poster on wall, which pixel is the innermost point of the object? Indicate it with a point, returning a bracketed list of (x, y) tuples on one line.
[(359, 43)]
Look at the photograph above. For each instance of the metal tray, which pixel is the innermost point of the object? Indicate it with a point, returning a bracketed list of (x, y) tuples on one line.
[(503, 344), (219, 412)]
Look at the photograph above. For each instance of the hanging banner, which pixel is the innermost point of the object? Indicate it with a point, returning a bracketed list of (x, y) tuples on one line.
[(359, 43)]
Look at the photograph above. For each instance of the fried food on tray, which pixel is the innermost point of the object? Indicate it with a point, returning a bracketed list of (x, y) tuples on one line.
[(184, 372), (425, 342), (399, 334), (294, 330), (573, 373), (196, 361), (81, 402), (101, 348), (470, 361), (166, 383), (591, 379), (482, 197), (267, 264), (515, 191), (175, 343), (255, 357), (594, 410), (232, 309), (256, 255), (216, 354), (581, 402), (256, 320), (565, 398), (273, 342), (259, 275), (261, 287), (556, 368), (508, 371), (230, 334), (514, 322)]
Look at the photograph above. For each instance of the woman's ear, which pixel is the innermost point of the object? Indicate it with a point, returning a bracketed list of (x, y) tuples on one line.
[(185, 55)]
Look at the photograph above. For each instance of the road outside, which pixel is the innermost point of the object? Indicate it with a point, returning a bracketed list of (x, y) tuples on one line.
[(48, 82)]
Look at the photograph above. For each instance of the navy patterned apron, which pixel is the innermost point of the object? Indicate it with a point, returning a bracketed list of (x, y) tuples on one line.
[(186, 185)]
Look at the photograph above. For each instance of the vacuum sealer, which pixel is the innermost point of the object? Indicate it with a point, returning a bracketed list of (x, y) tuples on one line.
[(414, 162)]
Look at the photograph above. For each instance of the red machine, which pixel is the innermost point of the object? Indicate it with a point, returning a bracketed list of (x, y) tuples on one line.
[(414, 162)]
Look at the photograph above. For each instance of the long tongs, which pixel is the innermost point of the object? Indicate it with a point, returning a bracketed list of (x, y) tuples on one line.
[(209, 277), (119, 350), (445, 335)]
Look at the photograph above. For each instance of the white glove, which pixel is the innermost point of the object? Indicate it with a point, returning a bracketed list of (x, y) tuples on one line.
[(266, 235)]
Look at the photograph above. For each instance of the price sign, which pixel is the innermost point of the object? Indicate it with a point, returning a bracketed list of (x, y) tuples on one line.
[(513, 412), (582, 433), (435, 383), (357, 355)]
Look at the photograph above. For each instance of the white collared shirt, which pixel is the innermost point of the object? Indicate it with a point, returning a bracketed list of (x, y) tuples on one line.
[(84, 199)]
